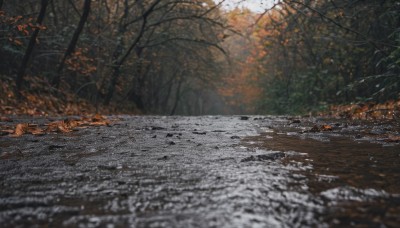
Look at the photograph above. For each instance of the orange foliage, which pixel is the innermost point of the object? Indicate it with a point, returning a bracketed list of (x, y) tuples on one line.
[(62, 126), (242, 86), (34, 103), (80, 62), (20, 27), (389, 110)]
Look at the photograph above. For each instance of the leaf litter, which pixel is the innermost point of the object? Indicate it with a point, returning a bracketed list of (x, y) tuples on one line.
[(60, 126)]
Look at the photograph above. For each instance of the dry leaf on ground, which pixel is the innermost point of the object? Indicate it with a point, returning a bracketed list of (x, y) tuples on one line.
[(20, 129), (100, 123), (98, 118), (326, 128), (58, 126), (63, 126), (37, 131)]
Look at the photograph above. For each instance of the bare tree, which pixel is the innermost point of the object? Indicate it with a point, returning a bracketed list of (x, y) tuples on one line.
[(21, 73), (117, 64), (73, 42)]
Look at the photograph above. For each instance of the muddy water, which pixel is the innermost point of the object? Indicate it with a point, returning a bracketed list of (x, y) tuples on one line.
[(357, 177), (208, 171)]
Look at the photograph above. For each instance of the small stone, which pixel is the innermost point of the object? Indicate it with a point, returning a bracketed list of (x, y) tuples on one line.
[(53, 147), (165, 157), (107, 167), (156, 128)]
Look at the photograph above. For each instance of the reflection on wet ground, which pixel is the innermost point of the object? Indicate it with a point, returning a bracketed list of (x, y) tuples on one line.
[(357, 179), (209, 171)]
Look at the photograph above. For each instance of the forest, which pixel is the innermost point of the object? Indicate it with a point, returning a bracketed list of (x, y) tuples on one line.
[(180, 57)]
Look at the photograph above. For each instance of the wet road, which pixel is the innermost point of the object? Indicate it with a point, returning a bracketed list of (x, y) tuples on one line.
[(200, 172)]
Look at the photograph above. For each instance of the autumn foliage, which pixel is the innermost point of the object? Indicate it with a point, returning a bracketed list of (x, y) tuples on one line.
[(196, 57), (305, 56), (389, 110), (18, 27), (241, 87), (152, 56), (60, 126)]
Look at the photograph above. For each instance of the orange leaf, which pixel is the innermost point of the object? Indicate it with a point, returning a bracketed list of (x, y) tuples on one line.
[(63, 128), (37, 131), (98, 117), (100, 123), (71, 123), (20, 129), (326, 128), (59, 126)]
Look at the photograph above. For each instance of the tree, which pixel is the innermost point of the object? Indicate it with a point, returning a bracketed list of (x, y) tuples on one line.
[(134, 53), (73, 42), (20, 75), (328, 52), (119, 60)]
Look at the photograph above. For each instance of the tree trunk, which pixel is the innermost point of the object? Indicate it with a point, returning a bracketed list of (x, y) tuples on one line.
[(74, 41), (119, 62), (177, 97), (21, 73)]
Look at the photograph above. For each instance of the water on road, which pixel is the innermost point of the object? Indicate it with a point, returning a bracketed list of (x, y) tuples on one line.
[(210, 171)]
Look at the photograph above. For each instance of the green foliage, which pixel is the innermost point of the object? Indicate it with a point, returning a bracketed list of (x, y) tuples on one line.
[(324, 53)]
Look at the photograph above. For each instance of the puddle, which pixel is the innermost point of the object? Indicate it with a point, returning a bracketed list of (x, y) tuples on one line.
[(359, 182)]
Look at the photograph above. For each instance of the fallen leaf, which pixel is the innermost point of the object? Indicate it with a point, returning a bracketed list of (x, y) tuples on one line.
[(37, 131), (326, 128), (97, 118), (100, 123), (58, 126), (63, 127), (71, 123), (20, 129)]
